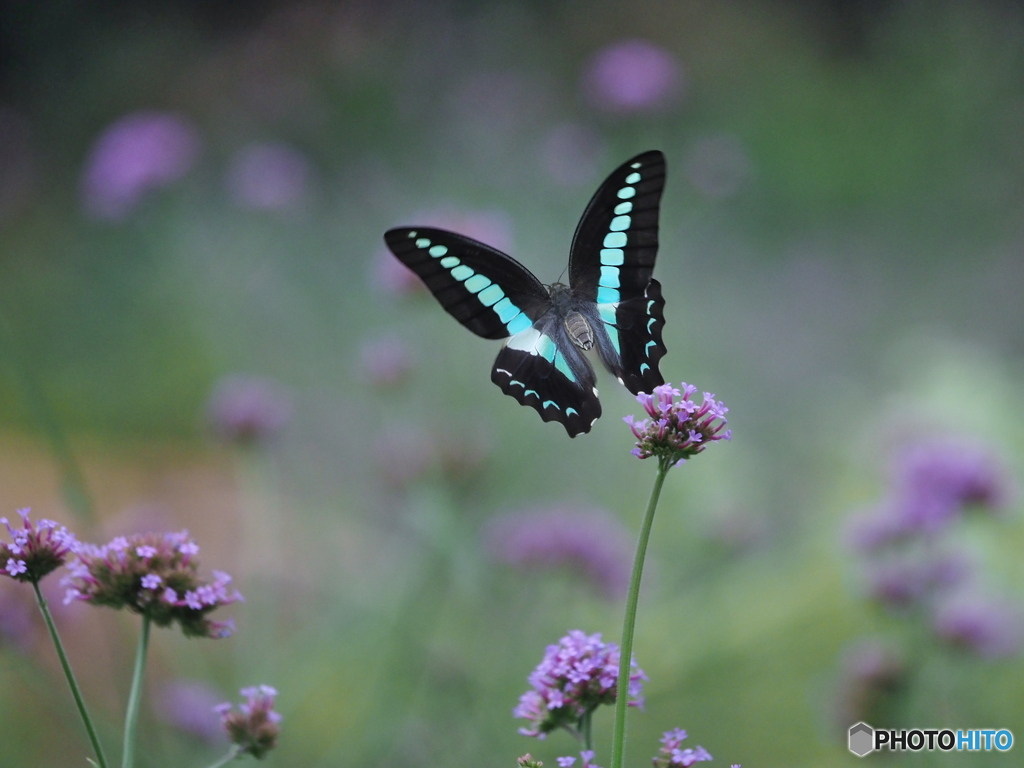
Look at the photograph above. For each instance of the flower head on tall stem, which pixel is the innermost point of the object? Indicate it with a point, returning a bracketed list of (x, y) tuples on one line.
[(677, 428), (36, 549), (577, 675), (254, 727), (153, 574)]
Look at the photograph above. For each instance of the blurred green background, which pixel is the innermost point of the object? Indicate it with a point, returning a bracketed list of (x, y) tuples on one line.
[(842, 255)]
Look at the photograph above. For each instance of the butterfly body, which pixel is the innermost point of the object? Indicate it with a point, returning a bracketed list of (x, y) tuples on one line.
[(612, 303)]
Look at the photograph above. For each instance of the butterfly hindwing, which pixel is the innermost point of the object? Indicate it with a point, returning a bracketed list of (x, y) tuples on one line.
[(542, 368), (486, 290), (631, 345)]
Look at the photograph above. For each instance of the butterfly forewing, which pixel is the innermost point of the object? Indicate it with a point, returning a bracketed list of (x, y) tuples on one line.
[(611, 263), (486, 290)]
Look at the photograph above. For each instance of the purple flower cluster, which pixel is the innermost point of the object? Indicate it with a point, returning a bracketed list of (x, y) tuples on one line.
[(934, 484), (155, 575), (248, 409), (672, 753), (872, 672), (911, 560), (577, 675), (633, 76), (589, 541), (677, 429), (36, 549), (269, 177), (587, 756), (253, 727), (136, 154)]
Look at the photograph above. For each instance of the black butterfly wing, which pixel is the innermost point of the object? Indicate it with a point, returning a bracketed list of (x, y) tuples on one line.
[(542, 368), (610, 268), (496, 297), (486, 290)]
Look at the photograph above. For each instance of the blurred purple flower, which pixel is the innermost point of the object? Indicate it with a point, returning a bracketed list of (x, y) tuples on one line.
[(952, 474), (577, 675), (589, 541), (138, 153), (717, 165), (248, 409), (403, 454), (872, 670), (188, 705), (269, 177), (985, 627), (17, 627), (387, 360), (933, 484), (907, 578), (255, 726), (633, 76)]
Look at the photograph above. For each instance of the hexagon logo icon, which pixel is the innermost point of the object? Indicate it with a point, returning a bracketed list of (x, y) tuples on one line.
[(862, 739)]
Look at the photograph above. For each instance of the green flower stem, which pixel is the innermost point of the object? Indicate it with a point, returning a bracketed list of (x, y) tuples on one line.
[(229, 757), (587, 730), (131, 718), (629, 623), (72, 683)]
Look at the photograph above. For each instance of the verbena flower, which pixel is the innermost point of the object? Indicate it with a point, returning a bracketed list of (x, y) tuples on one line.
[(156, 575), (933, 484), (586, 757), (577, 675), (35, 549), (186, 705), (672, 753), (527, 761), (906, 578), (872, 672), (590, 541), (254, 727), (138, 153), (387, 360), (632, 76), (677, 429), (269, 177), (248, 409), (980, 625)]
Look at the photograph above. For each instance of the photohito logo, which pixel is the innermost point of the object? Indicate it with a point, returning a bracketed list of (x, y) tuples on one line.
[(863, 739)]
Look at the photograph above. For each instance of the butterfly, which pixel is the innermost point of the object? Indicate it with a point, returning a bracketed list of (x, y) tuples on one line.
[(611, 302)]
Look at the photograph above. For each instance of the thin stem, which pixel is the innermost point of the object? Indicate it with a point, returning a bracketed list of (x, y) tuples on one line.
[(587, 730), (131, 718), (70, 676), (231, 755), (629, 623)]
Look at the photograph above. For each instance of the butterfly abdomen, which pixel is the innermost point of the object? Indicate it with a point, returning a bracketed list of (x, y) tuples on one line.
[(579, 330)]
